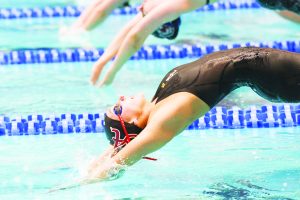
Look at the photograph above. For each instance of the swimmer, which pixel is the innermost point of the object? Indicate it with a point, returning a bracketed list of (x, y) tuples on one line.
[(154, 13), (136, 127), (289, 9)]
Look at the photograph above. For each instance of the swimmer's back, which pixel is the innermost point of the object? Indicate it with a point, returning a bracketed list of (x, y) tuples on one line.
[(213, 76)]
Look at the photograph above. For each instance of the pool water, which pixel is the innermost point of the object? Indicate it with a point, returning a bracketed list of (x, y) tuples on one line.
[(33, 3), (44, 3), (210, 164), (243, 25)]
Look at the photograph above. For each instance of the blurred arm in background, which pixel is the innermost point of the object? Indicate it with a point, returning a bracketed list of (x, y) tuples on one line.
[(93, 15), (154, 14)]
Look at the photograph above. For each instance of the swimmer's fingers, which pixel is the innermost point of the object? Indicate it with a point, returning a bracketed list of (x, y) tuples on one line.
[(106, 173), (96, 71), (108, 79), (66, 187), (104, 82), (78, 183)]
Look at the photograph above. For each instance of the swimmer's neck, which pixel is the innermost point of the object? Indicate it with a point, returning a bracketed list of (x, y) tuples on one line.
[(147, 109)]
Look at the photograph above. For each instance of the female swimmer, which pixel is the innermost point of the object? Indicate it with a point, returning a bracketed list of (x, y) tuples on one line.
[(136, 127)]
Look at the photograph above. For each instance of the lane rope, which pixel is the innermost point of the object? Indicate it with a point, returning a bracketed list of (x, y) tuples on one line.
[(266, 116), (149, 52)]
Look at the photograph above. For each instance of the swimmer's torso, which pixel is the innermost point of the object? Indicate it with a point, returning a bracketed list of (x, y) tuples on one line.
[(273, 74)]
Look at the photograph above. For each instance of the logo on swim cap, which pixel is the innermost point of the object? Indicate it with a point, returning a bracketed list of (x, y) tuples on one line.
[(115, 133), (117, 138)]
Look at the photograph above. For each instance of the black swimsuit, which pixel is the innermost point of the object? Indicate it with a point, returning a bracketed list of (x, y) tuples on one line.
[(291, 5), (273, 74)]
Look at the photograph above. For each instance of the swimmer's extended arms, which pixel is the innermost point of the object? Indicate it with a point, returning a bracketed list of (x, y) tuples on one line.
[(131, 41), (111, 168), (92, 168), (165, 123)]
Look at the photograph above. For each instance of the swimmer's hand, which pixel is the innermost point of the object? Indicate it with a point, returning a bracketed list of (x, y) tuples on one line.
[(99, 169), (65, 187), (108, 170), (96, 71), (107, 79), (86, 182)]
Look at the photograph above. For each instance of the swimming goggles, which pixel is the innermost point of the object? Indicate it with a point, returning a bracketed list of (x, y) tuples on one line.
[(118, 111)]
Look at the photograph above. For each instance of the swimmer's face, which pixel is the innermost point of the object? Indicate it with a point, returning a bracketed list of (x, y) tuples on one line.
[(132, 107)]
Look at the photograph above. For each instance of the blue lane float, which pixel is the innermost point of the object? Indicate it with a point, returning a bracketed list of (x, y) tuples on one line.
[(49, 55), (266, 116), (75, 11)]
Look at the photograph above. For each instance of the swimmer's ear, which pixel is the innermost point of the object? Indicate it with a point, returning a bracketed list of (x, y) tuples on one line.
[(134, 121), (140, 121)]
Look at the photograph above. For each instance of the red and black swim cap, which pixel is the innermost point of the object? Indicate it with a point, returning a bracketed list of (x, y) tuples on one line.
[(115, 133)]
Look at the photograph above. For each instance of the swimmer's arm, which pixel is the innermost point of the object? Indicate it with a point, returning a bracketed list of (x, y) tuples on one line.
[(106, 154), (290, 15), (96, 12), (153, 137), (112, 49), (169, 119), (133, 40)]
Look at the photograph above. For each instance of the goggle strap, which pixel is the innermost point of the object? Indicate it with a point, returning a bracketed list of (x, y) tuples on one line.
[(128, 138), (149, 158), (124, 129)]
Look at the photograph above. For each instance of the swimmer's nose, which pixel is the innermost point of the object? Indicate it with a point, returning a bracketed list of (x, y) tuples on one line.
[(121, 98)]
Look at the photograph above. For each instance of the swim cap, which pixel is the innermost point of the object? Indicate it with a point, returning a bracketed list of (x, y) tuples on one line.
[(115, 134), (125, 4), (168, 30)]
